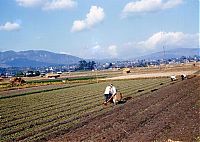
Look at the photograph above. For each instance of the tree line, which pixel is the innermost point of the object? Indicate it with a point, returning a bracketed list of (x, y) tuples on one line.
[(84, 65)]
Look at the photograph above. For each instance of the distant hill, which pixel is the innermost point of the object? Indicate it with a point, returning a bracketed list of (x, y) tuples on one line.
[(173, 53), (39, 58), (35, 58)]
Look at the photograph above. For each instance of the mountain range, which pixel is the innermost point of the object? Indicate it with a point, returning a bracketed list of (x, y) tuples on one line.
[(35, 58), (39, 58), (172, 53)]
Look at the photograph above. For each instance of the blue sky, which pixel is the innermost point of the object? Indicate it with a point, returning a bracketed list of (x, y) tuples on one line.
[(99, 28)]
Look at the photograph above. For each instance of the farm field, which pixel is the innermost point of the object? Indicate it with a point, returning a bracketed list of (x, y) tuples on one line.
[(99, 71), (21, 90), (150, 75), (40, 116), (169, 114)]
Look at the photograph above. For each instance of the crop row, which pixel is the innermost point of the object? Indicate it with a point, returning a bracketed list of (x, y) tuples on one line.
[(44, 100), (34, 90), (54, 116), (52, 106), (29, 101), (56, 108), (44, 113), (51, 122), (70, 99), (62, 105), (76, 102)]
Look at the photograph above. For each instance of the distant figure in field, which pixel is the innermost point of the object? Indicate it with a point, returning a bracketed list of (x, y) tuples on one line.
[(109, 93), (173, 78), (183, 76)]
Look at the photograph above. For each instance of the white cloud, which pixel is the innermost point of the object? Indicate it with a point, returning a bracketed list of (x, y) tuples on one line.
[(48, 4), (112, 51), (78, 25), (170, 39), (59, 4), (155, 43), (95, 16), (143, 6), (30, 3), (99, 52), (9, 26)]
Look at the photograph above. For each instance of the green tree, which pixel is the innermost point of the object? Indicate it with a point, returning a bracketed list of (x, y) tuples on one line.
[(83, 65), (20, 74), (91, 65)]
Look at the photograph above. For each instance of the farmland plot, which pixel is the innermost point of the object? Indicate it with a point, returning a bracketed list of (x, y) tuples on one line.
[(37, 88), (170, 114), (38, 116)]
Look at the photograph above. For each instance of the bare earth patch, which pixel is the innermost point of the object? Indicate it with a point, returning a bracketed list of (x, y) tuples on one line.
[(147, 75), (168, 114)]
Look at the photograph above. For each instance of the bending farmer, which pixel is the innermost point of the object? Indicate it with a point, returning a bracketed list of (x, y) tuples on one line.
[(110, 91)]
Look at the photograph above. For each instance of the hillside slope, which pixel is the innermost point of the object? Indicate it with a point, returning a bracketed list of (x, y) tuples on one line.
[(173, 53), (35, 58)]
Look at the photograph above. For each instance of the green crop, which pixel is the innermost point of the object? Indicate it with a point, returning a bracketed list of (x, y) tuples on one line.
[(38, 115)]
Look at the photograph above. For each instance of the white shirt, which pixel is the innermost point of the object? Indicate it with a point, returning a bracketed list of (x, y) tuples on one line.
[(107, 90), (110, 90), (113, 90)]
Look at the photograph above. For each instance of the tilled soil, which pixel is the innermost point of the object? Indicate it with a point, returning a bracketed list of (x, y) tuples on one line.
[(171, 113), (153, 74)]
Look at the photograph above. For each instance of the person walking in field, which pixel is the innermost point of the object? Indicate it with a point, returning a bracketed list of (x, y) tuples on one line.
[(110, 91)]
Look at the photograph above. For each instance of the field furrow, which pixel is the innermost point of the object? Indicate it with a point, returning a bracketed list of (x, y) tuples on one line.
[(36, 116)]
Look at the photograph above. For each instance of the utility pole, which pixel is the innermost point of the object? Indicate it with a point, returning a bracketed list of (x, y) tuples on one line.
[(164, 58), (164, 52)]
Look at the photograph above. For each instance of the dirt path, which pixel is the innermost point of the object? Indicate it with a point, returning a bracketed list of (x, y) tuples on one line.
[(148, 75), (170, 113)]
